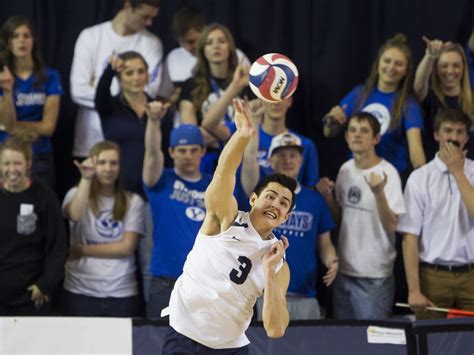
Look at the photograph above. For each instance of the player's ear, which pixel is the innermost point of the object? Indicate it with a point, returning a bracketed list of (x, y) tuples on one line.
[(253, 197)]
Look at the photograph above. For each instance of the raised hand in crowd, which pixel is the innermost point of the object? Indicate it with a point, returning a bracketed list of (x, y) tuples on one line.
[(87, 167), (334, 120), (156, 110), (376, 182), (7, 79), (326, 187), (434, 47), (116, 63)]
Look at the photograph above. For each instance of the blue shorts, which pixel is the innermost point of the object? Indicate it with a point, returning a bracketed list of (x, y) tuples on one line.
[(176, 343)]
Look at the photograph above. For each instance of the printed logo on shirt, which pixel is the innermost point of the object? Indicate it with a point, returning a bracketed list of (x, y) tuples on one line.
[(262, 159), (211, 100), (30, 99), (381, 113), (354, 194), (107, 227), (297, 224), (189, 197), (195, 213)]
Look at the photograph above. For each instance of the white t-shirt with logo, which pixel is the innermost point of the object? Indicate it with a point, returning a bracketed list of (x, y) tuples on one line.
[(365, 249), (103, 277)]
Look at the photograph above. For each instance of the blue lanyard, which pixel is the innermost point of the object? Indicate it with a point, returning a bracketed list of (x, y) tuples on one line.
[(216, 90)]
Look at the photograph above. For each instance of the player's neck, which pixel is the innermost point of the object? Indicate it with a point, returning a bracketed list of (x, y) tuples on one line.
[(366, 160), (274, 126), (264, 233)]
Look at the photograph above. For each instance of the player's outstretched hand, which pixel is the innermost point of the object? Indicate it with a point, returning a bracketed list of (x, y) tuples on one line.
[(243, 122)]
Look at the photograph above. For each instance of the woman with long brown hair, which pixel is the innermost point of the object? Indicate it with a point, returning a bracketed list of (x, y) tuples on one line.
[(105, 224), (386, 94), (206, 98), (30, 93)]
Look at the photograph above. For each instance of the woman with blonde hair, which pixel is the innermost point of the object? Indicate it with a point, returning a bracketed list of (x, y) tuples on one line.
[(387, 95), (442, 80), (105, 223), (32, 236)]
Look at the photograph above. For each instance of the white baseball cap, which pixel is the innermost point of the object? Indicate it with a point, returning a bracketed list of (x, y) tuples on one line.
[(284, 140)]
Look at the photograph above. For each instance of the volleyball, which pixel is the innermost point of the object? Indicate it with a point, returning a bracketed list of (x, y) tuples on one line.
[(273, 77)]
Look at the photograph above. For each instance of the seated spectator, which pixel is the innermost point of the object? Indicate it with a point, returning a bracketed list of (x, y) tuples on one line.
[(105, 223), (206, 99), (307, 229), (367, 202), (438, 227), (30, 93), (386, 94), (33, 243), (124, 116), (442, 80)]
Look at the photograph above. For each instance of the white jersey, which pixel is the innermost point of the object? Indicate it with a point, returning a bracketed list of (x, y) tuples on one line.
[(212, 301)]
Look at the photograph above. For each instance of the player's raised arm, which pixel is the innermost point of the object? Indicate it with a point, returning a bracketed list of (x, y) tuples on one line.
[(221, 206)]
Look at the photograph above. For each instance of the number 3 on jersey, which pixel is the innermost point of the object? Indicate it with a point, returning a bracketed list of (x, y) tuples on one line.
[(239, 276)]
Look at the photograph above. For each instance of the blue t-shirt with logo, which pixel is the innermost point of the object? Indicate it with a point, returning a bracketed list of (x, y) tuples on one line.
[(393, 146), (310, 218), (178, 210), (309, 172), (29, 102)]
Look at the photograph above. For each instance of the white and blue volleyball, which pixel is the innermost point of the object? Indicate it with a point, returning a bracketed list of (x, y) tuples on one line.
[(273, 77)]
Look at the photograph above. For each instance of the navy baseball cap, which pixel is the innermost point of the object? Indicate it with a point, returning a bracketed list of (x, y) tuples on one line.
[(186, 134)]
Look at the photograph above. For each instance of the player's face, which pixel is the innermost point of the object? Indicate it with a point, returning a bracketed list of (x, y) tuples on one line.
[(287, 161), (190, 41), (449, 69), (108, 167), (277, 110), (454, 131), (272, 206), (360, 137), (216, 49), (134, 77), (21, 43), (392, 68), (139, 18), (187, 158), (15, 169)]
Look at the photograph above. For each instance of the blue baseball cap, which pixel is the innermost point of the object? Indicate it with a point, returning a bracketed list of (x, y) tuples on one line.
[(186, 134)]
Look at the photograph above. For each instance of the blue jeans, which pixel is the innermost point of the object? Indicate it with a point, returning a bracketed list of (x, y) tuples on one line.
[(158, 296), (77, 305), (363, 298)]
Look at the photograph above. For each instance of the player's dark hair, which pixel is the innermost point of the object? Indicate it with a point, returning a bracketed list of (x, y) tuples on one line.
[(281, 179), (451, 115), (366, 116)]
